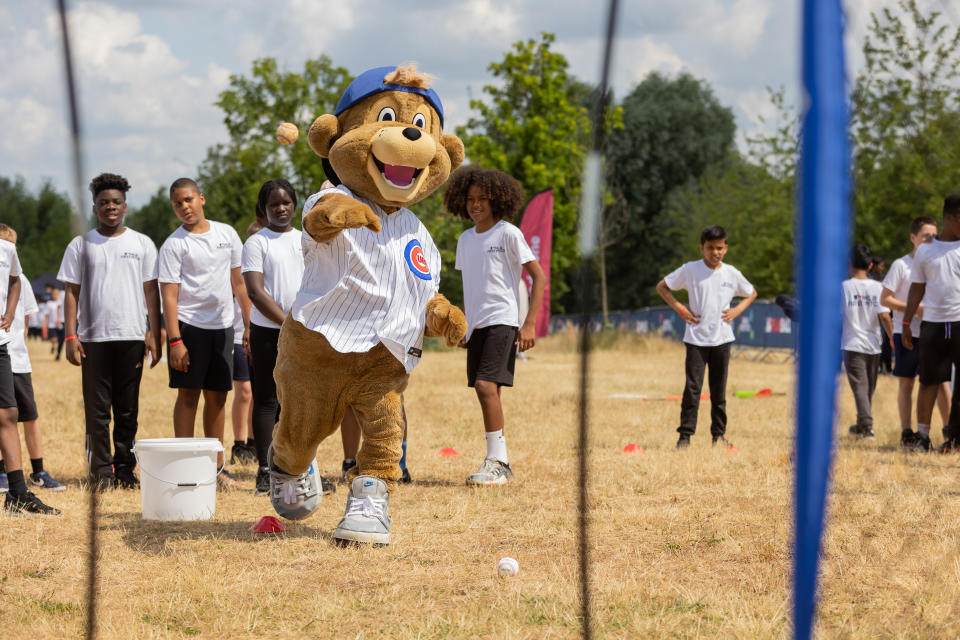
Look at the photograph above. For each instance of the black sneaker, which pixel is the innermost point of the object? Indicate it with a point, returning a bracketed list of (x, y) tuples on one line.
[(907, 438), (126, 480), (683, 441), (860, 433), (405, 477), (722, 440), (240, 453), (346, 466), (949, 446), (29, 504), (262, 487), (326, 486), (103, 483), (921, 442)]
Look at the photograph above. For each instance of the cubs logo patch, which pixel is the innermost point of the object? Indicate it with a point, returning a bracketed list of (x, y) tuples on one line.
[(413, 254)]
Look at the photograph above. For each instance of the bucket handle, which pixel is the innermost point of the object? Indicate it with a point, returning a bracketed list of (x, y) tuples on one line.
[(180, 484)]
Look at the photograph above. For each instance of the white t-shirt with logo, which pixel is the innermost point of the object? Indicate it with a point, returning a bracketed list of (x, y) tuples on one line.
[(937, 264), (9, 266), (898, 281), (200, 263), (861, 315), (710, 291), (279, 257), (362, 288), (491, 264), (19, 357), (111, 273)]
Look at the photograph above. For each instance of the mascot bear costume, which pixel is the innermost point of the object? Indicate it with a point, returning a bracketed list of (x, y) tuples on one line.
[(368, 297)]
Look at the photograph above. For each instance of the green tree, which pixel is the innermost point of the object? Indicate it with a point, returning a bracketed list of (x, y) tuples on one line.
[(906, 123), (673, 130), (754, 206), (535, 127), (42, 223), (253, 106)]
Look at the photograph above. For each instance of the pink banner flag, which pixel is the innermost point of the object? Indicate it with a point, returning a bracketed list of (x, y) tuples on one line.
[(537, 228)]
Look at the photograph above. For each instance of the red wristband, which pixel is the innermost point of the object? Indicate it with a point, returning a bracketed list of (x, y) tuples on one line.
[(683, 312), (173, 342), (905, 323), (69, 338)]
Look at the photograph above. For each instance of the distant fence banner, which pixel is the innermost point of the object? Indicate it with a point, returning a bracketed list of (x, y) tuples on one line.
[(762, 325), (537, 228)]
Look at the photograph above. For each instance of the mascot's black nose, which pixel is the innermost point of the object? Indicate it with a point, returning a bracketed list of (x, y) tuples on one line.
[(411, 133)]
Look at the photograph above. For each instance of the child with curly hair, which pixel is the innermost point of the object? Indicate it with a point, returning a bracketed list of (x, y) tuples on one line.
[(491, 257)]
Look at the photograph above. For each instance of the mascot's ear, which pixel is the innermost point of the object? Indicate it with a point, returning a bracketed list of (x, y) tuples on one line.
[(450, 142), (323, 132)]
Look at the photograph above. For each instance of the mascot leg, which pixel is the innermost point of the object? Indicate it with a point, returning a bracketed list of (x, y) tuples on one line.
[(310, 376), (374, 394)]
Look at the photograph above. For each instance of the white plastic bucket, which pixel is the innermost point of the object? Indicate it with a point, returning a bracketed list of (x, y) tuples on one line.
[(178, 477)]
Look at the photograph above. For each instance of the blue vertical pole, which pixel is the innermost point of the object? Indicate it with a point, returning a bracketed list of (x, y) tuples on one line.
[(824, 198)]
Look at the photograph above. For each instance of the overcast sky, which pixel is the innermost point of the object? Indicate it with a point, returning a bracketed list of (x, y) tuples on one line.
[(150, 71)]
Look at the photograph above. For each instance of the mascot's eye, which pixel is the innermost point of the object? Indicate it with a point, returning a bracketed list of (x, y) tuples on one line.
[(387, 114), (419, 120)]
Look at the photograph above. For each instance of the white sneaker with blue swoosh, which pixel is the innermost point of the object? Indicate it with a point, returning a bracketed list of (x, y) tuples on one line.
[(367, 517), (294, 497)]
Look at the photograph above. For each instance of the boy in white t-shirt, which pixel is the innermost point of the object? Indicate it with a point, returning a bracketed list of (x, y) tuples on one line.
[(491, 258), (53, 317), (18, 499), (112, 320), (23, 383), (199, 273), (896, 287), (936, 281), (712, 285), (861, 340)]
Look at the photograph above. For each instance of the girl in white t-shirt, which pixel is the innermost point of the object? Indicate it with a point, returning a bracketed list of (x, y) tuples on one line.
[(272, 270), (491, 257)]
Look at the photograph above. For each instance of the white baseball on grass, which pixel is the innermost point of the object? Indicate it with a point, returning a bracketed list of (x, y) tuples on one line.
[(507, 567)]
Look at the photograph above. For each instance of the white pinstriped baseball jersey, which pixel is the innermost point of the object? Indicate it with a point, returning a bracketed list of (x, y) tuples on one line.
[(362, 288)]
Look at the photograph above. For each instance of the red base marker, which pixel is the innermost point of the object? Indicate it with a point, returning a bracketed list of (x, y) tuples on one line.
[(633, 448), (268, 524), (448, 452), (732, 449), (764, 392)]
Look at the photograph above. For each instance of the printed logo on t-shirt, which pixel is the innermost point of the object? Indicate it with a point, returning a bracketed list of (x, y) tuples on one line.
[(4, 264), (130, 255), (413, 254), (495, 249), (224, 245), (858, 300)]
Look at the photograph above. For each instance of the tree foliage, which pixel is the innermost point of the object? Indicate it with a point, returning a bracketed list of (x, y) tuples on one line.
[(534, 126), (673, 130), (253, 106), (42, 223), (906, 123)]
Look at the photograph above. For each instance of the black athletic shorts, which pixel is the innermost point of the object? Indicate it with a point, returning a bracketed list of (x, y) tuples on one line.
[(8, 397), (241, 367), (23, 390), (939, 351), (211, 359), (491, 354)]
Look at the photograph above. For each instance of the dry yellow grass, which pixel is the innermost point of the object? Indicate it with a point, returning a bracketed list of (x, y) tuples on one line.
[(685, 544)]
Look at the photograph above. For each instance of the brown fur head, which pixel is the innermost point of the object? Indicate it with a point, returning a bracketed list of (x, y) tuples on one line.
[(386, 142)]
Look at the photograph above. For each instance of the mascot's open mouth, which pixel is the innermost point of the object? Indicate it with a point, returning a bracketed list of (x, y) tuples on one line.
[(397, 175)]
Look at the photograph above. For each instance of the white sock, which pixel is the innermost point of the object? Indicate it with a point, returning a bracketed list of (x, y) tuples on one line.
[(497, 446), (923, 429)]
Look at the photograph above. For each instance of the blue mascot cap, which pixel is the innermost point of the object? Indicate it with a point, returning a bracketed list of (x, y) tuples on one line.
[(370, 82)]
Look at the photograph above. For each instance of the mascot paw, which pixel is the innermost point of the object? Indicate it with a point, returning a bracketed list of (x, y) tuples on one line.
[(445, 320), (336, 212)]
